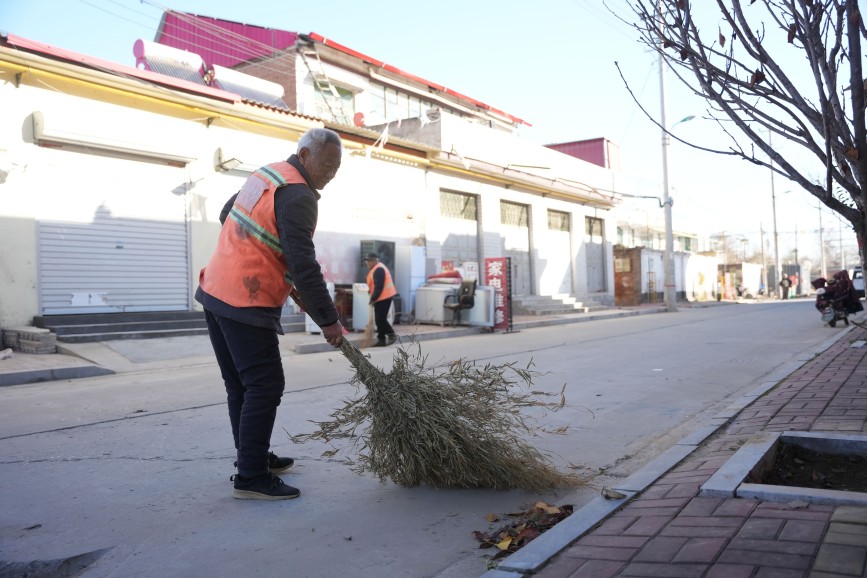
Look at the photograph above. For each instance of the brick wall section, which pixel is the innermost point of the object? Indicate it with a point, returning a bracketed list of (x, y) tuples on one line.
[(669, 531), (281, 70)]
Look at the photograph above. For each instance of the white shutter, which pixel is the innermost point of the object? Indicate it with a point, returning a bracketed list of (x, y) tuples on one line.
[(113, 265), (120, 244)]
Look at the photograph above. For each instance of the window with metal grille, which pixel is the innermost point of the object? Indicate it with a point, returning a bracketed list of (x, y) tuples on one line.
[(514, 214), (593, 228), (686, 243), (558, 221), (335, 106), (388, 103), (458, 205)]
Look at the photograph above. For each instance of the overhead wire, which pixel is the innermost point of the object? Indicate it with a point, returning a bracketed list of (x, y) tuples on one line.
[(603, 15), (110, 13), (225, 40)]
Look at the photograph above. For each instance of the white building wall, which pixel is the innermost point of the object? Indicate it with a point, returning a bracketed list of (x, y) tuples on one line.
[(74, 184), (369, 199), (694, 275)]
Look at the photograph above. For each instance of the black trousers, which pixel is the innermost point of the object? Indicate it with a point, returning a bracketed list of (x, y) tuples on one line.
[(249, 360), (380, 315)]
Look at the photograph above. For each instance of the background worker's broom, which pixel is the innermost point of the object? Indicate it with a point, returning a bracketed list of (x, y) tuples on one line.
[(368, 339)]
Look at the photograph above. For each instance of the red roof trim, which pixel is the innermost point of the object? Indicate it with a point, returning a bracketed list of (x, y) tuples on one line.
[(119, 69), (395, 70)]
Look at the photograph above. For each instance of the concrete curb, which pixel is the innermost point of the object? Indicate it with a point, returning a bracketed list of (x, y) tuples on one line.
[(323, 346), (57, 374), (567, 319)]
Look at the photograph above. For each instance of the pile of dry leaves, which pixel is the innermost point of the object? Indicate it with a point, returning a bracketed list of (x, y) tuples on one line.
[(525, 527)]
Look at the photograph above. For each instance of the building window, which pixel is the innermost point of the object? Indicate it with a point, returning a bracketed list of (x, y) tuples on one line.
[(594, 229), (558, 221), (686, 244), (458, 205), (377, 101), (340, 107), (415, 107), (392, 107), (514, 214)]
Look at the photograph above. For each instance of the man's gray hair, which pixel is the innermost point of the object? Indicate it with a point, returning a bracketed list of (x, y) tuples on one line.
[(316, 138)]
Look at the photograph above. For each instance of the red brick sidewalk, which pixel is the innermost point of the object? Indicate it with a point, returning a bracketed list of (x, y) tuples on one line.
[(670, 531)]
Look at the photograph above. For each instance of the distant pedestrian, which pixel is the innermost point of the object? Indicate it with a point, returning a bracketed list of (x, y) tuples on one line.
[(785, 284), (381, 288)]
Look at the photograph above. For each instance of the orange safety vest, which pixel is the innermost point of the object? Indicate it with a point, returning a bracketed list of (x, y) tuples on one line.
[(247, 268), (388, 289)]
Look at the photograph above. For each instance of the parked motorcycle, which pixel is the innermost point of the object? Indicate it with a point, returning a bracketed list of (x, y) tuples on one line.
[(836, 298)]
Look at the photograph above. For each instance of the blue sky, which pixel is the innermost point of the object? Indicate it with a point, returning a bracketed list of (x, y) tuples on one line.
[(551, 63)]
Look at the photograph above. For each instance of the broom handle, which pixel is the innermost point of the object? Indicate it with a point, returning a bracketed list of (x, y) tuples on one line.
[(346, 347)]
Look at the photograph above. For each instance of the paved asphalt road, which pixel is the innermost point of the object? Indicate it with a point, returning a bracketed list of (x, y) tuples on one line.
[(137, 465)]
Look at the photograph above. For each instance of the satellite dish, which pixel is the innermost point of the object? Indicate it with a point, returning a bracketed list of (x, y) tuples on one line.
[(358, 119)]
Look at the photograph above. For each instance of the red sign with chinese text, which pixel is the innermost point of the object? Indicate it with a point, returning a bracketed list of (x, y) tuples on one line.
[(497, 276)]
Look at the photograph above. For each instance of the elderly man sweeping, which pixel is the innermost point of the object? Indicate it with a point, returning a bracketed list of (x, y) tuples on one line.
[(265, 252)]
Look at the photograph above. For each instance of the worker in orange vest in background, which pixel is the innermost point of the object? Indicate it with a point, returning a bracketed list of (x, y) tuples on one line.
[(381, 288)]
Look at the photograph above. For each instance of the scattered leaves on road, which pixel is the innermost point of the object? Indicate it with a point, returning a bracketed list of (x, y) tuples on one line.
[(525, 526)]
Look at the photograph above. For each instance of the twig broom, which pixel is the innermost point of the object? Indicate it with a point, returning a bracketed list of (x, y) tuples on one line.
[(456, 428)]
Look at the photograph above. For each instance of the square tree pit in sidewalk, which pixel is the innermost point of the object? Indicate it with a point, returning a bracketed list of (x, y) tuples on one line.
[(744, 475)]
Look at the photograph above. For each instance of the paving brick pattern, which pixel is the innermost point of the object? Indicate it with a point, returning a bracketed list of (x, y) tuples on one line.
[(669, 531)]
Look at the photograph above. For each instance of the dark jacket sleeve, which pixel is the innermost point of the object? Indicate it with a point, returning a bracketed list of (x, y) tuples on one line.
[(378, 283), (296, 209), (224, 214)]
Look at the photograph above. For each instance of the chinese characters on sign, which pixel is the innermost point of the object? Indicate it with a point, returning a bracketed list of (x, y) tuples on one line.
[(497, 275)]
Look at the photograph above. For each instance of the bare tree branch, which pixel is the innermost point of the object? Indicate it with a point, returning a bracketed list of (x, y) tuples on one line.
[(773, 67)]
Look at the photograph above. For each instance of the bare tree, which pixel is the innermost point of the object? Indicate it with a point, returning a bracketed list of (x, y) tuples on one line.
[(787, 68)]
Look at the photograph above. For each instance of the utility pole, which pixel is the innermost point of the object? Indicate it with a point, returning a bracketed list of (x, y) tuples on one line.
[(764, 264), (840, 237), (822, 245), (778, 274), (670, 293), (797, 264)]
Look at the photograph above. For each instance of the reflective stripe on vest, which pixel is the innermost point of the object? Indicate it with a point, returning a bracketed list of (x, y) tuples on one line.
[(388, 289), (256, 230), (247, 268)]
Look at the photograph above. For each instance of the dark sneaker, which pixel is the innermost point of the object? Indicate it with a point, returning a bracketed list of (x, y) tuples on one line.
[(390, 339), (276, 464), (264, 487), (379, 343)]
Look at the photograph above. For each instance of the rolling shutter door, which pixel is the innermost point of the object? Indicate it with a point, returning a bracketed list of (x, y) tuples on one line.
[(125, 247)]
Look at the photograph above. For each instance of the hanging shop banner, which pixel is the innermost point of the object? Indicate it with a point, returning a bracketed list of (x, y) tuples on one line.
[(498, 275)]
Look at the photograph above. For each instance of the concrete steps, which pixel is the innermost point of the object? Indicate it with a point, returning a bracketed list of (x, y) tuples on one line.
[(557, 304), (89, 328)]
